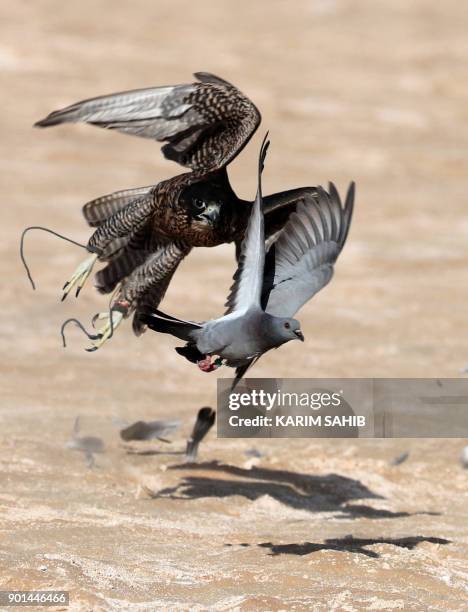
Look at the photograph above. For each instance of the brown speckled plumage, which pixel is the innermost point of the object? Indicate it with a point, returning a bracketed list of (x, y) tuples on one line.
[(143, 234)]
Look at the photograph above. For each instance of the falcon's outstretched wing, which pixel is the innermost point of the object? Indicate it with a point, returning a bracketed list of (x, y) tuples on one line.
[(205, 124), (300, 262)]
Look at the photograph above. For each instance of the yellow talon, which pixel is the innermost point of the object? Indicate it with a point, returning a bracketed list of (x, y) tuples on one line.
[(80, 276), (107, 330)]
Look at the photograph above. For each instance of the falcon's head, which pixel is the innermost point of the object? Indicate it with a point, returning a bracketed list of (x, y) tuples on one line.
[(210, 213), (203, 202)]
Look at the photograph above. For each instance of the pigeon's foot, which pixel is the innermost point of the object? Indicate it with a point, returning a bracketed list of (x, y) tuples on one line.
[(112, 319), (80, 276), (208, 365)]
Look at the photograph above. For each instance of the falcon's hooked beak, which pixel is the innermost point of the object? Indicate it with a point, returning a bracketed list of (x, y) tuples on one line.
[(211, 212), (299, 335)]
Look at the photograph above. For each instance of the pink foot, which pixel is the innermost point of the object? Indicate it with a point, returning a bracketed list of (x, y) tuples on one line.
[(207, 365)]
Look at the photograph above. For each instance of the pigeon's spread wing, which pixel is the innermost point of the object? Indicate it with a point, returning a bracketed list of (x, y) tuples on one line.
[(248, 280), (300, 262), (278, 207), (205, 124)]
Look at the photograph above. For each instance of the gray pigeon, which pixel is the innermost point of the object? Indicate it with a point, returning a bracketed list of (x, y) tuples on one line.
[(267, 293)]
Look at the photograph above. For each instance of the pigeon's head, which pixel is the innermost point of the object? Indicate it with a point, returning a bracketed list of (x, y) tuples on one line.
[(286, 329)]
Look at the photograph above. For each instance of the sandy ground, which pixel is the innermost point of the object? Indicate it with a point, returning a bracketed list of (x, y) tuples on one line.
[(364, 90)]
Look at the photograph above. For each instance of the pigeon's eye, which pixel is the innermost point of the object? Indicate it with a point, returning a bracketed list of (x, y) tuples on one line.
[(287, 325), (199, 204)]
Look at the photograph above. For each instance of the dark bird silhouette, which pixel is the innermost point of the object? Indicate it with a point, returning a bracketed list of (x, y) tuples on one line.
[(143, 234), (205, 420), (148, 430)]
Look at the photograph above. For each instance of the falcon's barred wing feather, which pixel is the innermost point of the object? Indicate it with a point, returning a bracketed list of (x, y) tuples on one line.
[(300, 262), (205, 124), (151, 300), (100, 209), (122, 262), (248, 279)]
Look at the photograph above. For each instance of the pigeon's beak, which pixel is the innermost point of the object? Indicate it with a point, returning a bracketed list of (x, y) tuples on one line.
[(211, 212), (299, 335)]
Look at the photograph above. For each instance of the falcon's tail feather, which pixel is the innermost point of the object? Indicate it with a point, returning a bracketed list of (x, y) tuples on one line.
[(165, 324)]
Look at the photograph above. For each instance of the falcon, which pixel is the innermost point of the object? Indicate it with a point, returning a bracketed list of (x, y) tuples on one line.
[(143, 234)]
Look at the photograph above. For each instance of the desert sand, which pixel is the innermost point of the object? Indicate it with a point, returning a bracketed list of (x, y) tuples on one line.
[(370, 91)]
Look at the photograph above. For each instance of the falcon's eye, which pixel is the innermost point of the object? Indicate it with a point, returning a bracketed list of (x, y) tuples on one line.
[(287, 325), (199, 204)]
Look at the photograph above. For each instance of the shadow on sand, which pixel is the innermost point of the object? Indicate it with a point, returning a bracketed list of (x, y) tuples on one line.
[(151, 452), (347, 544), (328, 493)]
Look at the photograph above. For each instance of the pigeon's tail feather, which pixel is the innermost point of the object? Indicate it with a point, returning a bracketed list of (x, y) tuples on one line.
[(190, 352), (165, 324), (205, 421)]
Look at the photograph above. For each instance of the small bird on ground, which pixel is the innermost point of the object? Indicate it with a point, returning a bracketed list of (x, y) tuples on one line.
[(264, 298), (88, 445), (399, 459), (149, 430)]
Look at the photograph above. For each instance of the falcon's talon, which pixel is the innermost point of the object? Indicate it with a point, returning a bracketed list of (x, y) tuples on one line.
[(80, 276), (99, 316), (107, 331)]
